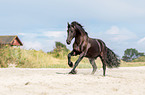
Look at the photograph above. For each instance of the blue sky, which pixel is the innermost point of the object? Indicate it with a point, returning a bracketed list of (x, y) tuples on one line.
[(39, 23)]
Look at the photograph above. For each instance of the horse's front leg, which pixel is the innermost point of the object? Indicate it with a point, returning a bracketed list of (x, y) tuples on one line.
[(69, 58), (76, 64)]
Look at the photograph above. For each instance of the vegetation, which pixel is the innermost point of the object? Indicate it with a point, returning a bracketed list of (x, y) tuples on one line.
[(60, 51), (15, 56), (57, 58), (24, 58), (131, 54), (139, 59), (132, 64)]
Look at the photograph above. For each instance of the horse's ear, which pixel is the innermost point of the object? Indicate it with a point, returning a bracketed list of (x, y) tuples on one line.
[(68, 25)]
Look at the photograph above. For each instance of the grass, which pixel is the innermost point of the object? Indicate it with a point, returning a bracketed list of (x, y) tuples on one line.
[(132, 64), (35, 59), (38, 59), (140, 59)]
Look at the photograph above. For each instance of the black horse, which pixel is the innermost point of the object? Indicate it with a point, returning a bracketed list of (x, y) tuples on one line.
[(90, 48)]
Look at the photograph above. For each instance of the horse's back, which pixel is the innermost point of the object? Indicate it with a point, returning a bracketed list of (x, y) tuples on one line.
[(93, 51)]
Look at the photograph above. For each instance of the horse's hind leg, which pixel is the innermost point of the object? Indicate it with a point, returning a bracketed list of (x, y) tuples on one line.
[(92, 61), (104, 69), (104, 65)]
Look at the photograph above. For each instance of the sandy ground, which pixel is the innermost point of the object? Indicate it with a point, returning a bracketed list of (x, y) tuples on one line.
[(24, 81)]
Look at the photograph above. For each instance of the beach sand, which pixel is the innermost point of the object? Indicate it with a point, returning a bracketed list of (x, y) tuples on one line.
[(49, 81)]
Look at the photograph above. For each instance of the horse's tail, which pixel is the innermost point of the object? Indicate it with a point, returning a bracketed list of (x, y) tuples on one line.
[(112, 59)]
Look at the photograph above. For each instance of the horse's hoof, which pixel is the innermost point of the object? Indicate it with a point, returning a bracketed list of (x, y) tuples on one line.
[(73, 72), (70, 64)]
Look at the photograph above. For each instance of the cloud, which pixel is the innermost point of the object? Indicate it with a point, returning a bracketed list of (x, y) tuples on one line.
[(44, 40), (113, 31), (141, 44), (119, 34), (55, 34), (141, 41), (118, 38), (32, 45)]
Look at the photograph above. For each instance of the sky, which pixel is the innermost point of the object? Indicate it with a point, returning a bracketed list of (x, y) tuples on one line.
[(40, 23)]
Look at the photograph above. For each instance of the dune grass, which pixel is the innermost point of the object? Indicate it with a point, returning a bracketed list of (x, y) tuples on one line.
[(140, 59), (22, 58), (132, 64), (34, 59)]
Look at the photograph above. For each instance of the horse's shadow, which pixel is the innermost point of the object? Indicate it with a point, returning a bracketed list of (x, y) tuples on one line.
[(61, 73)]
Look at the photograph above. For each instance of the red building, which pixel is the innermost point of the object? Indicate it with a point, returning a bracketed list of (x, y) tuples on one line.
[(10, 40)]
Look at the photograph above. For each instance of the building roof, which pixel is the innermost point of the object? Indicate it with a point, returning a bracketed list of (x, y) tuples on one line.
[(10, 40)]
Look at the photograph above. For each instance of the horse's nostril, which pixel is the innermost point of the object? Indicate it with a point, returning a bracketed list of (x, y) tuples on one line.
[(68, 42)]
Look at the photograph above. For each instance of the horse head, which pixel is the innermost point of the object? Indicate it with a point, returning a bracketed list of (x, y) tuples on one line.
[(71, 33)]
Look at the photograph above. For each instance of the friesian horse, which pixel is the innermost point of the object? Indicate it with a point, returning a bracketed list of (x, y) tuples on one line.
[(90, 48)]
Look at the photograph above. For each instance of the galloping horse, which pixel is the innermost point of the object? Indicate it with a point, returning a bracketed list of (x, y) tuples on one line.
[(90, 48)]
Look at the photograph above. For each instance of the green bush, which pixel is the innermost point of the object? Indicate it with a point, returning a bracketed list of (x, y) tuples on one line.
[(60, 51)]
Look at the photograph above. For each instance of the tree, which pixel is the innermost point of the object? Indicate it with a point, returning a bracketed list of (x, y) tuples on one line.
[(60, 46), (60, 50), (130, 54)]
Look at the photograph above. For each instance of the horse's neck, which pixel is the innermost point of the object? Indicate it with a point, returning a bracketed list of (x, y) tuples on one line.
[(80, 38)]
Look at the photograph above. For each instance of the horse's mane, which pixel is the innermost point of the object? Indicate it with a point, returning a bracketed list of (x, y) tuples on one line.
[(74, 23)]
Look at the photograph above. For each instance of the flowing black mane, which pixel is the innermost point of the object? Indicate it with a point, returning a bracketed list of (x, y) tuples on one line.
[(76, 24)]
